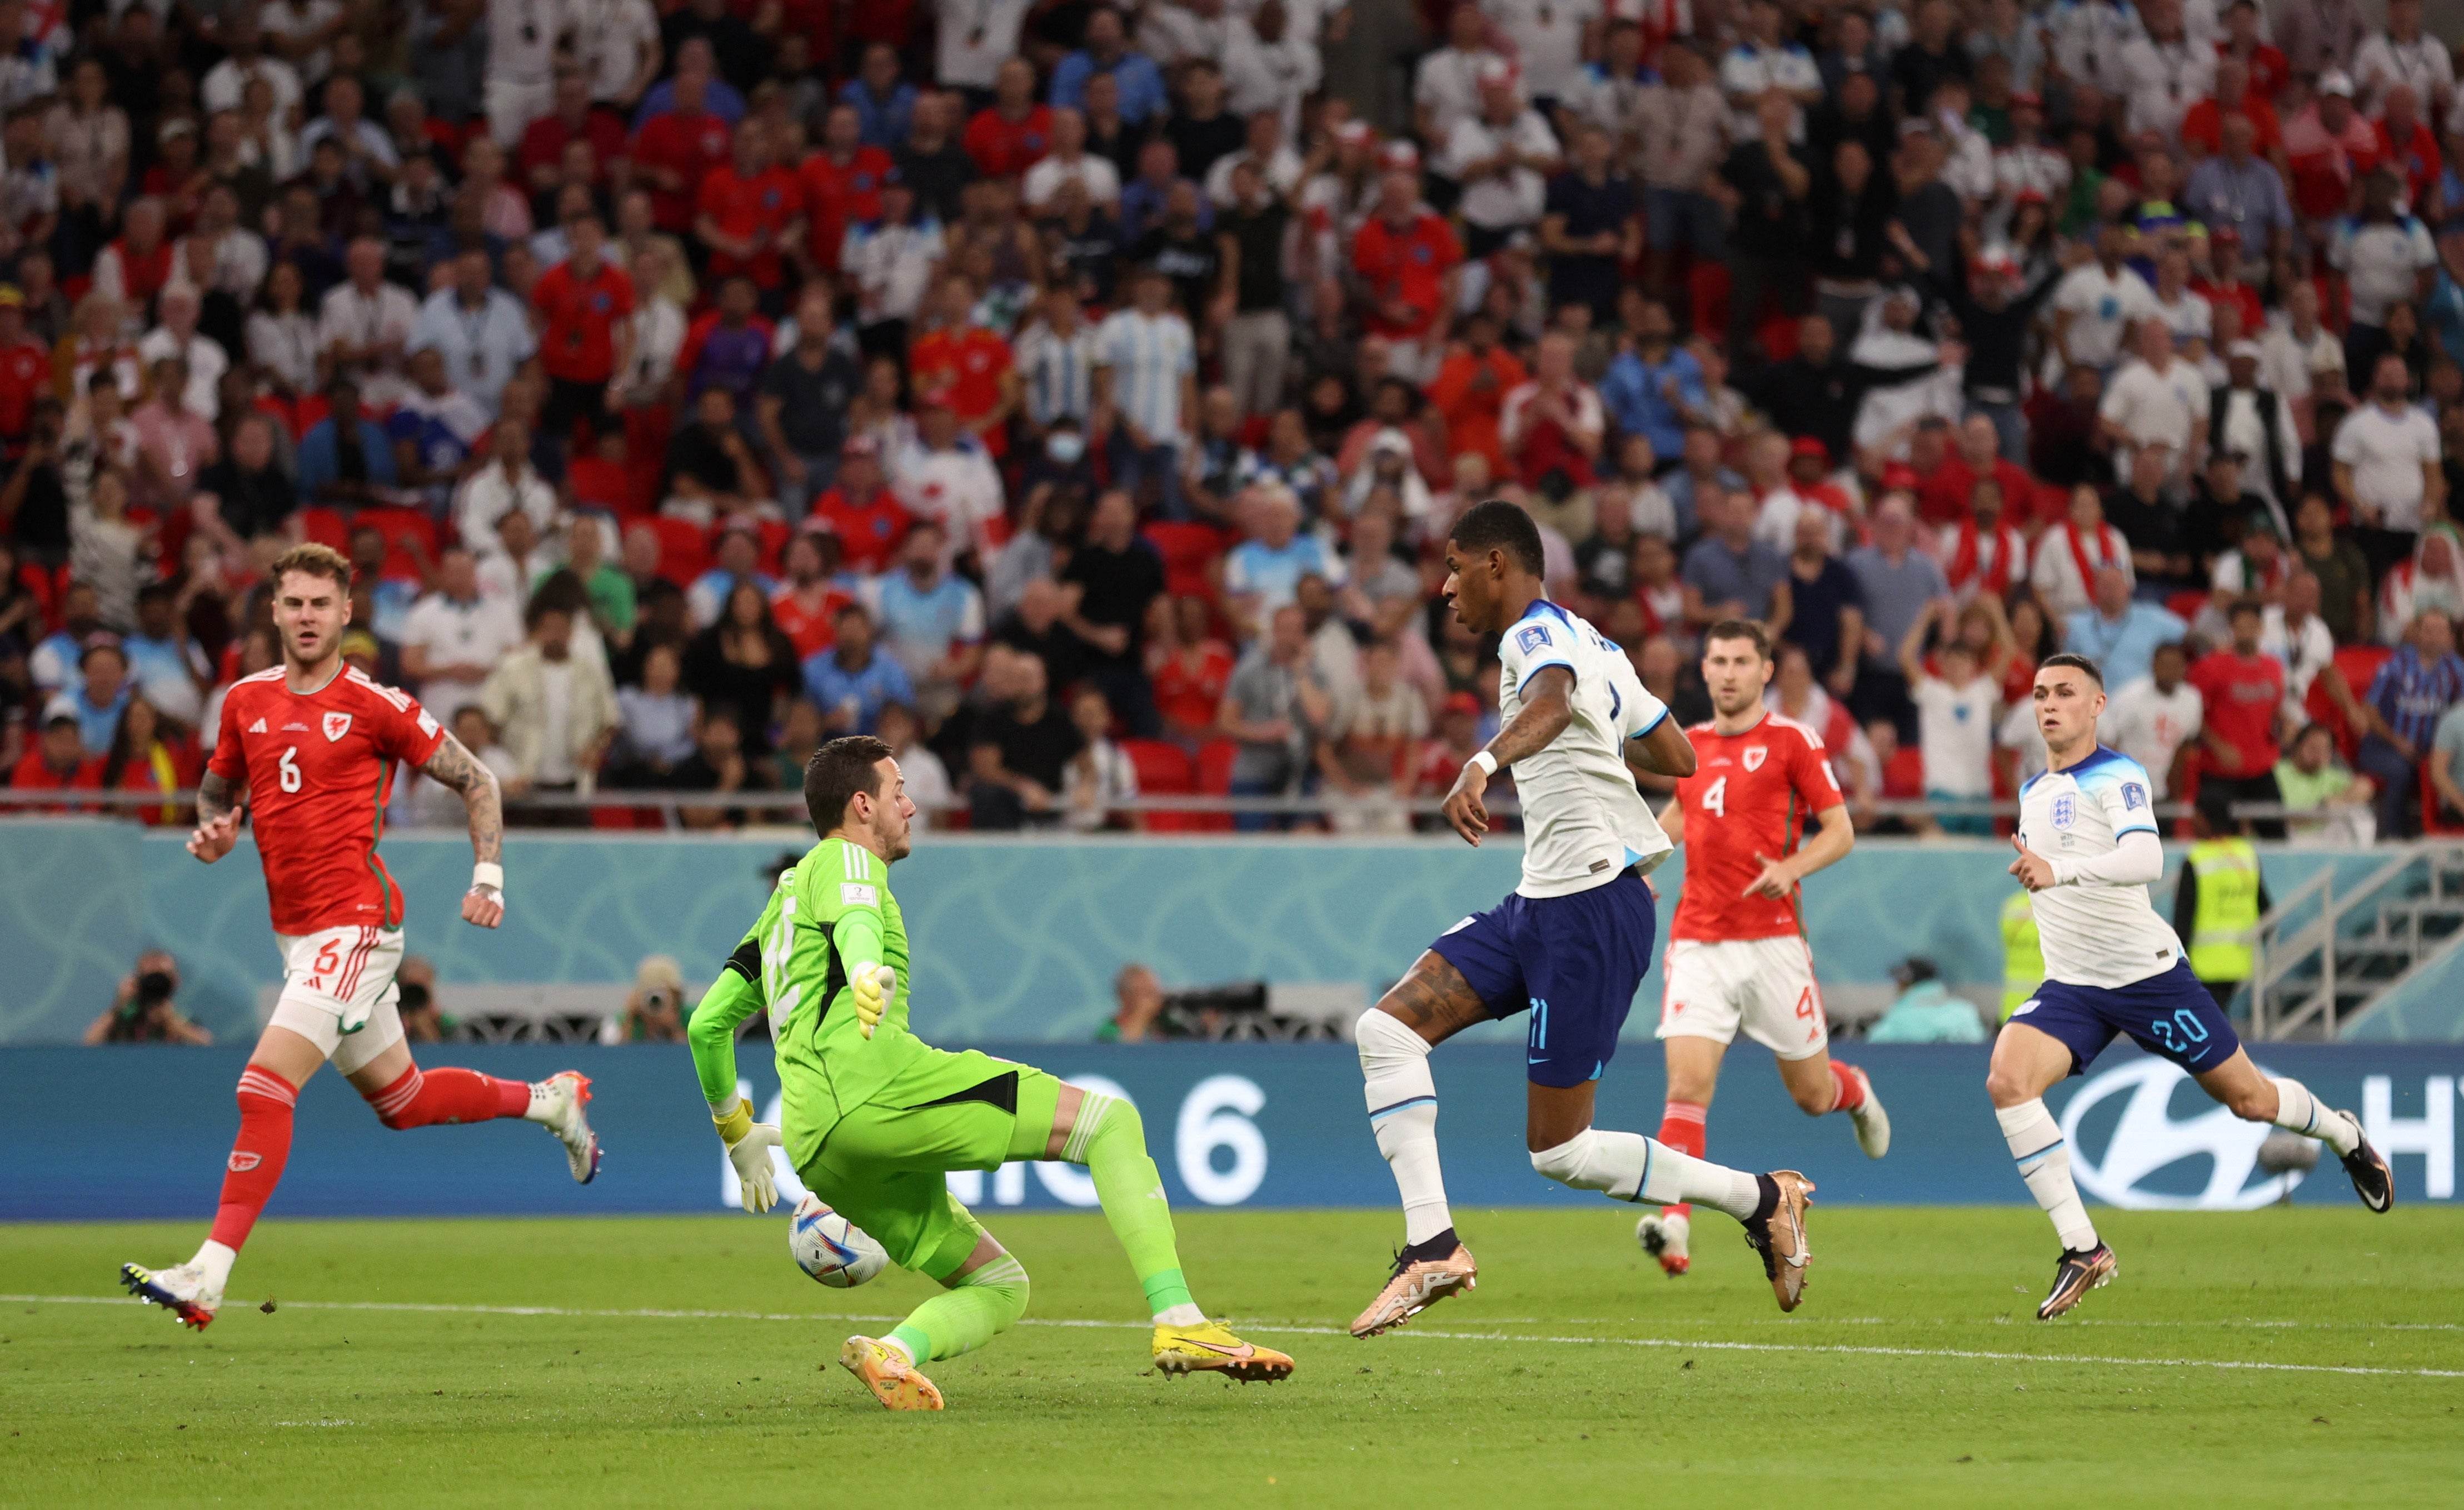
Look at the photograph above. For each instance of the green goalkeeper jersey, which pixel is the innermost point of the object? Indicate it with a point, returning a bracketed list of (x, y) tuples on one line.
[(831, 910)]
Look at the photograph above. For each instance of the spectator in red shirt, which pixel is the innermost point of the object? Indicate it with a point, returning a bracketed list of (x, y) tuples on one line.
[(2405, 144), (674, 151), (586, 312), (1012, 134), (868, 521), (1472, 388), (807, 606), (1978, 454), (748, 209), (1189, 668), (1406, 256), (56, 762), (966, 367), (2269, 72), (542, 160), (2203, 124), (25, 367), (2331, 147), (842, 184), (2244, 689)]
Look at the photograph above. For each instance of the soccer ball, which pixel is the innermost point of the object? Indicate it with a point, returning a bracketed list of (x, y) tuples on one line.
[(831, 1248)]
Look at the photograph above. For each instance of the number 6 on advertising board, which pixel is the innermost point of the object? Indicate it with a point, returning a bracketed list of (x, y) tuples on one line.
[(1216, 1115)]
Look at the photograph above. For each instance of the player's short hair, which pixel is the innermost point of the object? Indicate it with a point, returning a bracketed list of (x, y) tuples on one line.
[(2076, 661), (316, 561), (1740, 629), (1498, 525), (836, 773)]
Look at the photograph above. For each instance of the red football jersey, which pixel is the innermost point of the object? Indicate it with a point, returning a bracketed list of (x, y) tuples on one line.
[(965, 366), (318, 768), (580, 316), (1750, 794), (836, 197), (1407, 266), (764, 203)]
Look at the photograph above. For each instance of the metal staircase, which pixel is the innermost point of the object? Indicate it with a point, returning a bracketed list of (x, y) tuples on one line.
[(2325, 952)]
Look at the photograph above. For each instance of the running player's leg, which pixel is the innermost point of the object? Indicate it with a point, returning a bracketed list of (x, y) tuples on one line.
[(1783, 1011), (1583, 958), (2028, 1061), (2174, 1016), (377, 1062), (1702, 1002), (1061, 1122), (1448, 988), (1693, 1077), (269, 1089), (911, 1213)]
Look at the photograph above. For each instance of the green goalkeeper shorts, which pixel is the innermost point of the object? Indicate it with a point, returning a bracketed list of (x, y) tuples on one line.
[(882, 1166)]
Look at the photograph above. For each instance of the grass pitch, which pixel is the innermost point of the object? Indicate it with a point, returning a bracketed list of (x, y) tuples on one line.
[(685, 1362)]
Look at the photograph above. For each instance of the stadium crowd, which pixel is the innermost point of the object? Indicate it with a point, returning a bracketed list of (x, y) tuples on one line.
[(1078, 397)]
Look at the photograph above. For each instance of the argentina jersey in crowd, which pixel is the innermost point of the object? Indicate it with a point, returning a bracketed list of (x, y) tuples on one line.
[(1583, 820), (2093, 933)]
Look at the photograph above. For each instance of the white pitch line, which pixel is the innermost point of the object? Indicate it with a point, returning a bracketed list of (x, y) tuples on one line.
[(1296, 1330)]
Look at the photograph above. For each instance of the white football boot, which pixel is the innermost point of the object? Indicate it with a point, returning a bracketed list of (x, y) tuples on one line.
[(555, 1105), (181, 1290), (1873, 1123), (1664, 1234)]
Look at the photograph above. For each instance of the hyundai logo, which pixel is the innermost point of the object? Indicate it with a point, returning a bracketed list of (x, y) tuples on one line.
[(2146, 1139)]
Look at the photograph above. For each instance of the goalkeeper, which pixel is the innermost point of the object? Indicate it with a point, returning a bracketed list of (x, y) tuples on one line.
[(874, 1117)]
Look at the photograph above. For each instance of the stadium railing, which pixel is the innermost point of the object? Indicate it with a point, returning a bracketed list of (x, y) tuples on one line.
[(792, 804)]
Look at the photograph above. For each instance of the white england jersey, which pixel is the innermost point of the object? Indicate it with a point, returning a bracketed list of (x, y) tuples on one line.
[(2095, 935), (1583, 820)]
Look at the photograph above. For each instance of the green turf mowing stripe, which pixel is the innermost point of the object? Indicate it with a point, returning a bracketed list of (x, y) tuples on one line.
[(1297, 1330)]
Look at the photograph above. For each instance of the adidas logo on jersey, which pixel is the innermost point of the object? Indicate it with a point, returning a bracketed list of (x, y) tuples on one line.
[(257, 727)]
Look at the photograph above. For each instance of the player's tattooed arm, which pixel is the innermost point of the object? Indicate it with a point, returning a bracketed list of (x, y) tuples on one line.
[(216, 795), (1547, 702), (454, 766), (218, 813)]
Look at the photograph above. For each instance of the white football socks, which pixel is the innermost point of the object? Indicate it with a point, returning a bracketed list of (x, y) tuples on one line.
[(214, 1261), (2045, 1164), (1629, 1167), (1403, 1112), (2296, 1110), (1184, 1314)]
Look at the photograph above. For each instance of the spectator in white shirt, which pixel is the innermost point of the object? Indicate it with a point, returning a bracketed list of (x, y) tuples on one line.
[(617, 44), (455, 636), (2165, 71), (2159, 400), (2387, 456), (224, 82), (2401, 55), (1549, 38), (1446, 89), (2387, 257), (2150, 718), (1954, 715), (366, 323), (1501, 157), (1269, 151), (1071, 162), (506, 483), (1268, 65), (2097, 302), (177, 337)]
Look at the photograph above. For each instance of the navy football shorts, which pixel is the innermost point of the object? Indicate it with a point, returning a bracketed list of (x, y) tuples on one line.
[(2171, 1015), (1574, 962)]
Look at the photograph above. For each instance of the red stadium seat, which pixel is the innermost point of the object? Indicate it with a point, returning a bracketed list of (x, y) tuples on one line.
[(1164, 769), (1215, 759), (2186, 605), (684, 549), (2322, 711), (2433, 823), (774, 543), (1189, 550), (1708, 288), (325, 527), (2358, 664), (403, 529)]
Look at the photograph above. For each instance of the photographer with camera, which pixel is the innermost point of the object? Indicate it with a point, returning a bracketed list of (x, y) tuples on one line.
[(141, 1011), (654, 1011)]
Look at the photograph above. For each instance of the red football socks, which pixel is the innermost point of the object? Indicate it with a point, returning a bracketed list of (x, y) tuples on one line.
[(257, 1155), (423, 1098), (1681, 1128), (1851, 1087)]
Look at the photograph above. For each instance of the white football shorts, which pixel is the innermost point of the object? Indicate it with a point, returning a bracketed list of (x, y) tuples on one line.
[(1764, 986), (339, 975)]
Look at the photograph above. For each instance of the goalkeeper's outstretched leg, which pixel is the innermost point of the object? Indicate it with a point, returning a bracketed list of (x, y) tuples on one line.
[(1106, 1134)]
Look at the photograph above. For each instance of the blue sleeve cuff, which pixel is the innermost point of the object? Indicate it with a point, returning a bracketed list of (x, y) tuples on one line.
[(1644, 732)]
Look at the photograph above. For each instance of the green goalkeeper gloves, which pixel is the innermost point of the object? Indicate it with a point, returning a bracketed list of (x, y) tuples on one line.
[(748, 1151)]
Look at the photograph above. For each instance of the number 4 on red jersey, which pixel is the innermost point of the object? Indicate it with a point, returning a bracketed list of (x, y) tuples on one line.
[(1752, 795)]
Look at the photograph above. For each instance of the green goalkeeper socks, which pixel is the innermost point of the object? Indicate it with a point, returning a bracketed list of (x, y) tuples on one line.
[(1111, 1142), (978, 1308)]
